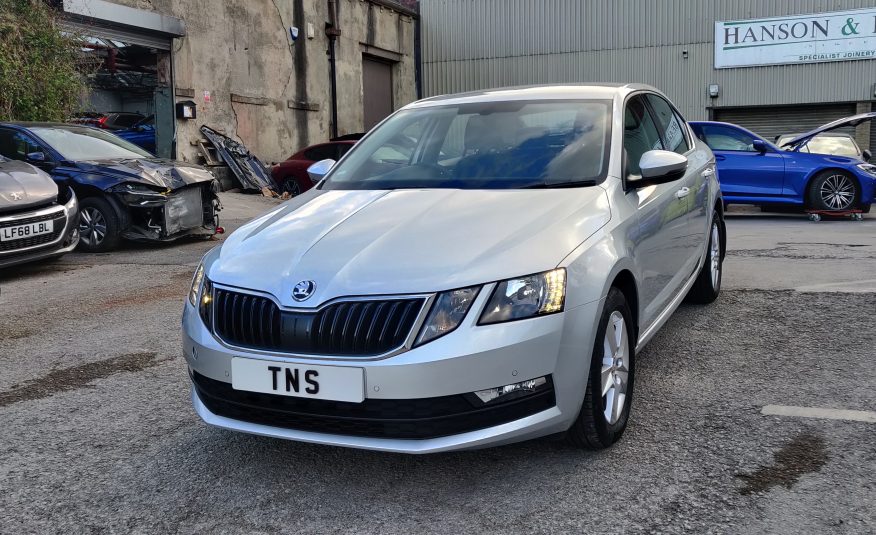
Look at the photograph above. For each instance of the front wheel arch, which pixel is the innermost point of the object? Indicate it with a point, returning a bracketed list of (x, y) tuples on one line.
[(720, 209), (626, 283), (818, 172)]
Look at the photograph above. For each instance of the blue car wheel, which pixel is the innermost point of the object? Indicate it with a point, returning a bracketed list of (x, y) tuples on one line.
[(833, 190)]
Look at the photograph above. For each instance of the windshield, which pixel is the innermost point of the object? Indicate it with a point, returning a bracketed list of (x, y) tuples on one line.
[(827, 144), (836, 145), (484, 145), (77, 143)]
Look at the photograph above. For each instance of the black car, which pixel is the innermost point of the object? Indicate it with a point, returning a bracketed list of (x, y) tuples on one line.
[(114, 120), (123, 191)]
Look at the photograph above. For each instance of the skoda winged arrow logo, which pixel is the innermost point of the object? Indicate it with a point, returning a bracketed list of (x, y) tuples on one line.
[(303, 290)]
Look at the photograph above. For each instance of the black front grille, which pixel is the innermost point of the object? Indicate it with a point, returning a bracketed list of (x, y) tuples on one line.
[(59, 220), (385, 418), (346, 328)]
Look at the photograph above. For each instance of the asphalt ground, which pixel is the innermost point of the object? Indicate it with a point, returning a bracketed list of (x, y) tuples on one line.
[(97, 434)]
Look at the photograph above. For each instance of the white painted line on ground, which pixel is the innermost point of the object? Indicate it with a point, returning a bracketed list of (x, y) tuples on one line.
[(815, 412), (851, 286)]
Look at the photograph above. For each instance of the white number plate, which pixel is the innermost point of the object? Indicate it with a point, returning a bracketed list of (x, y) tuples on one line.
[(336, 383), (26, 231)]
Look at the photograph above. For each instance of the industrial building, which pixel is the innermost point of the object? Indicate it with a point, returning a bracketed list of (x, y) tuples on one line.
[(274, 75), (775, 67)]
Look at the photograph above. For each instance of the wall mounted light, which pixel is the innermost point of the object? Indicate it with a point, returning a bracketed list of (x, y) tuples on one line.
[(714, 90)]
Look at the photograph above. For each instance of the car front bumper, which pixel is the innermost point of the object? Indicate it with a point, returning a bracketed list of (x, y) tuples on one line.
[(189, 211), (469, 359), (65, 217)]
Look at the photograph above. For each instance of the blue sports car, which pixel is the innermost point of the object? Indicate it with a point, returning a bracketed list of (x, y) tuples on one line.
[(141, 133), (754, 171)]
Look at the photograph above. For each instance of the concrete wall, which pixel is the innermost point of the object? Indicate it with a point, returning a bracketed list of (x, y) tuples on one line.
[(267, 93)]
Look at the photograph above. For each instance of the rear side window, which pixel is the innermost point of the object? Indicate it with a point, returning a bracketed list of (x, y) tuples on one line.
[(125, 121), (670, 124), (640, 133), (321, 152), (343, 148)]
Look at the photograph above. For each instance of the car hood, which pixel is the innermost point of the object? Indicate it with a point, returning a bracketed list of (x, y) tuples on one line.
[(853, 120), (23, 185), (169, 174), (406, 241)]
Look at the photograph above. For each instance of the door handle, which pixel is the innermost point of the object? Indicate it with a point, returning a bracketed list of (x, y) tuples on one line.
[(682, 193), (720, 158)]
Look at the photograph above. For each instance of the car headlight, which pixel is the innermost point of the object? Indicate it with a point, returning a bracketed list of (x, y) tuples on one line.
[(868, 168), (447, 313), (136, 189), (197, 281), (526, 297)]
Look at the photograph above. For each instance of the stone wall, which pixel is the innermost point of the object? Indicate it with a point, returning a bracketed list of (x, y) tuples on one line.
[(270, 94)]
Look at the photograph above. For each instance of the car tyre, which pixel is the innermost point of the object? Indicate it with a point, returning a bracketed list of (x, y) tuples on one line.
[(833, 191), (291, 186), (708, 284), (606, 408), (98, 225)]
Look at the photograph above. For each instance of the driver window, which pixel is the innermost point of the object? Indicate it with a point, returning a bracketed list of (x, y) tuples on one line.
[(725, 138), (640, 134), (16, 146)]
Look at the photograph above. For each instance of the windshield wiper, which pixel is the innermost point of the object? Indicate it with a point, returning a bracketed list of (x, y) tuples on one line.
[(570, 184)]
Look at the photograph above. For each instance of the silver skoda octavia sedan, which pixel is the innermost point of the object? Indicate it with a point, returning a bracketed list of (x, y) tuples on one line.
[(479, 269)]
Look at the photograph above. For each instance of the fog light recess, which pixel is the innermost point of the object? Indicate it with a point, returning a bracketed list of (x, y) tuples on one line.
[(512, 391)]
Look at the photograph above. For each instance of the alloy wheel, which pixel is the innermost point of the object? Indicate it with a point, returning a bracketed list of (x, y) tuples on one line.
[(715, 255), (615, 367), (92, 226), (292, 187), (837, 192)]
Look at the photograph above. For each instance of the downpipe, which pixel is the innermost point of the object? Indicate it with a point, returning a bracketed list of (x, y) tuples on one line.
[(332, 31)]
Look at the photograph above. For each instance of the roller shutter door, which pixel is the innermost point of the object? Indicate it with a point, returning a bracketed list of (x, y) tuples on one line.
[(124, 35), (772, 121)]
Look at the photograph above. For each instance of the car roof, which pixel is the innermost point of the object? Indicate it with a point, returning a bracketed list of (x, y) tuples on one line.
[(29, 124), (536, 92), (722, 123)]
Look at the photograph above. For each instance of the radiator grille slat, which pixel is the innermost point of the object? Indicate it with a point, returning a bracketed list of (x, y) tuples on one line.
[(346, 328)]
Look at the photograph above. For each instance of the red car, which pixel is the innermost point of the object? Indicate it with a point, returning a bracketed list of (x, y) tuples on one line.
[(291, 175)]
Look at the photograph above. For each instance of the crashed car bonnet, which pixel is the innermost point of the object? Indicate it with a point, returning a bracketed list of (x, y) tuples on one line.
[(125, 192)]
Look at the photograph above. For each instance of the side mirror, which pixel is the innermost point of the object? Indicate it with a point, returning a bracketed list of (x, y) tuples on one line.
[(317, 171), (658, 167), (36, 157), (759, 145), (867, 155)]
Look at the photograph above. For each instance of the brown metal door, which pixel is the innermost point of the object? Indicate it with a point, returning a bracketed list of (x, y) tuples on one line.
[(377, 91)]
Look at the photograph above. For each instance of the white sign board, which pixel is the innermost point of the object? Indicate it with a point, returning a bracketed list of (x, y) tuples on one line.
[(796, 39)]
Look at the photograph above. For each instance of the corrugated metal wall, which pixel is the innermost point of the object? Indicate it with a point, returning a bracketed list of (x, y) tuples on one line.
[(772, 121), (476, 44)]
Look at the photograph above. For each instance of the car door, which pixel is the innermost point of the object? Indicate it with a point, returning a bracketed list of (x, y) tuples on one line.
[(694, 191), (743, 170), (661, 241)]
